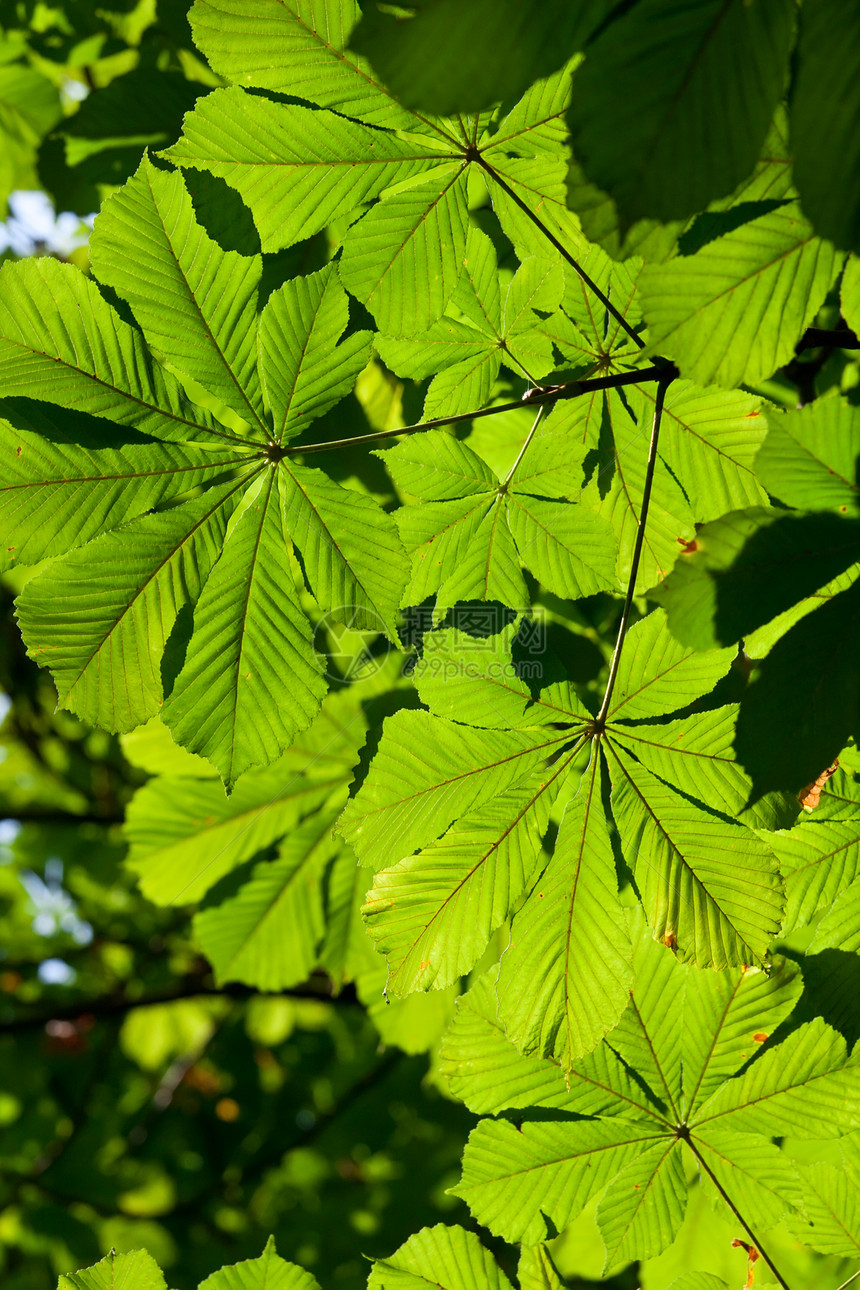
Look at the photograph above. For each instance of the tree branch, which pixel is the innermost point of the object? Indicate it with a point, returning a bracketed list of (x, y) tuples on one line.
[(541, 394), (187, 988), (57, 817)]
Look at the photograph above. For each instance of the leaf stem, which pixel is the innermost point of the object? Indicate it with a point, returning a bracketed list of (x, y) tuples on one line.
[(571, 390), (589, 282), (743, 1222), (853, 1277), (600, 720), (522, 451)]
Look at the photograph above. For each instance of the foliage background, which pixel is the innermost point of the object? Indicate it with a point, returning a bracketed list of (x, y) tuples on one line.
[(142, 1103)]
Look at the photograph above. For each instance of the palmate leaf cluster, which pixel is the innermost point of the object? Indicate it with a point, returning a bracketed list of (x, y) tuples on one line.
[(415, 484)]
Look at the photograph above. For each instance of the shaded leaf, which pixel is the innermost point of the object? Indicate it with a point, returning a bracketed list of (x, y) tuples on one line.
[(734, 310), (650, 82), (805, 701)]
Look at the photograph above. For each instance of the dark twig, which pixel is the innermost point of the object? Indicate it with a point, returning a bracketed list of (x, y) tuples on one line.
[(551, 394), (115, 1005), (64, 818), (600, 719), (740, 1218), (589, 282)]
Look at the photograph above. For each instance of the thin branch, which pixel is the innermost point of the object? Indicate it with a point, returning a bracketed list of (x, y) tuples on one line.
[(589, 282), (853, 1277), (743, 1222), (551, 394), (65, 818), (637, 552), (113, 1005)]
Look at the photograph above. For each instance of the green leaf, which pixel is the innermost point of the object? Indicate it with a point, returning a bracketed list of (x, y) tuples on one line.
[(759, 1177), (298, 47), (831, 1204), (185, 834), (445, 1257), (646, 1035), (699, 1281), (515, 1179), (744, 569), (53, 460), (643, 1207), (567, 547), (432, 914), (196, 304), (267, 934), (428, 772), (539, 182), (695, 755), (536, 1270), (553, 463), (404, 258), (303, 368), (484, 1069), (709, 439), (565, 978), (268, 1272), (839, 928), (682, 1037), (101, 617), (472, 546), (805, 1086), (470, 352), (731, 1015), (658, 77), (825, 105), (850, 293), (350, 552), (250, 679), (657, 674), (734, 311), (295, 168), (616, 465), (62, 343), (136, 1270), (819, 859), (436, 467), (474, 680), (805, 700), (708, 884), (810, 458)]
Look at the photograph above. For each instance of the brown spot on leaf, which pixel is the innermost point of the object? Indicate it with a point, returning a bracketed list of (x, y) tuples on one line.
[(760, 1036)]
